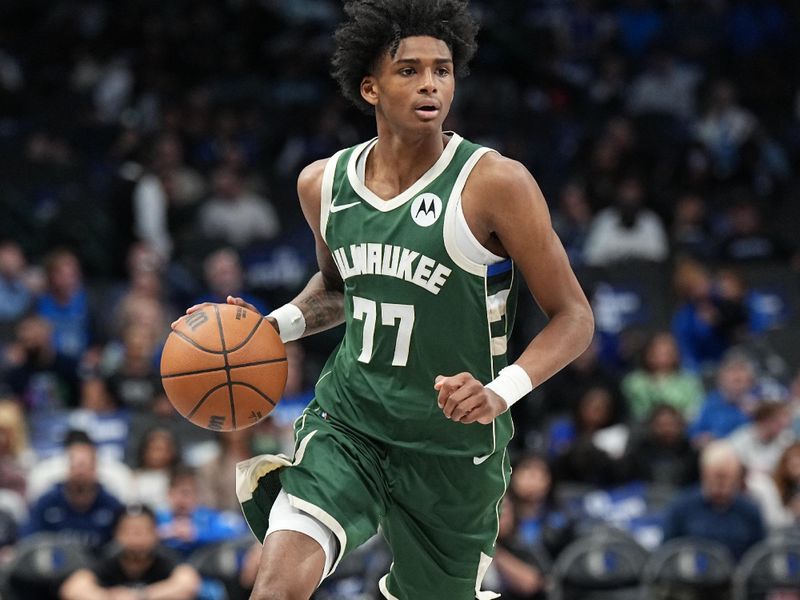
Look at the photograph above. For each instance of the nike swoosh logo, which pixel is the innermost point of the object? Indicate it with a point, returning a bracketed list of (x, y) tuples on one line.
[(335, 209), (479, 460)]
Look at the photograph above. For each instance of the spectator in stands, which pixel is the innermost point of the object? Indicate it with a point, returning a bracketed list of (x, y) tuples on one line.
[(224, 277), (15, 294), (186, 186), (66, 304), (761, 443), (691, 231), (145, 285), (718, 510), (778, 493), (165, 197), (516, 571), (794, 404), (149, 314), (724, 128), (157, 457), (235, 216), (538, 519), (217, 478), (572, 220), (638, 23), (709, 319), (15, 456), (101, 413), (137, 568), (38, 374), (584, 447), (626, 231), (566, 387), (727, 407), (113, 474), (665, 87), (747, 240), (297, 393), (661, 380), (185, 525), (131, 368), (607, 90), (663, 453), (196, 443), (80, 507)]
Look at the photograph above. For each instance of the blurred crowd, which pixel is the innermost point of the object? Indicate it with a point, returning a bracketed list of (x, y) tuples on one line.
[(148, 155)]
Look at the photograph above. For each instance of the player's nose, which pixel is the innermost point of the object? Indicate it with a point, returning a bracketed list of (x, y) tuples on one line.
[(428, 83)]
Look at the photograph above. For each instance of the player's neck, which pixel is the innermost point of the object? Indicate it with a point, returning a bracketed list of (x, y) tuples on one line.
[(398, 160)]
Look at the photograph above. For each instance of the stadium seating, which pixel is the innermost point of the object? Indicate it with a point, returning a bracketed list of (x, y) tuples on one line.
[(41, 564), (688, 568), (768, 568), (606, 564), (222, 563)]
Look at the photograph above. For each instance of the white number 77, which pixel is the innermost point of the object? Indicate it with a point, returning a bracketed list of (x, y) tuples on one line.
[(367, 311)]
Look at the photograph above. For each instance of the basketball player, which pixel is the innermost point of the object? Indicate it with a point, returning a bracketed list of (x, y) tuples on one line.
[(422, 238)]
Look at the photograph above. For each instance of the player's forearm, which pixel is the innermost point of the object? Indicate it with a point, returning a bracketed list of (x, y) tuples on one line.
[(322, 305), (564, 338)]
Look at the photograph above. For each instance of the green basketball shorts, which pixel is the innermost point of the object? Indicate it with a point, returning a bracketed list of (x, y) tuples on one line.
[(438, 514)]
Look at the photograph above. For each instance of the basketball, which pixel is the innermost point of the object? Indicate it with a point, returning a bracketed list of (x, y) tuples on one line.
[(224, 367)]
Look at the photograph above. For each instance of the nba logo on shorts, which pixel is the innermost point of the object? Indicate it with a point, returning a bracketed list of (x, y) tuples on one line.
[(425, 209)]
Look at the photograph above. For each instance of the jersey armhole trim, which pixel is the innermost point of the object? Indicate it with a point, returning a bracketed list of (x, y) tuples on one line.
[(488, 257), (327, 193), (449, 228)]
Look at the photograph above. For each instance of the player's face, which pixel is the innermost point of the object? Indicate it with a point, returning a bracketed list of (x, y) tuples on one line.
[(415, 87)]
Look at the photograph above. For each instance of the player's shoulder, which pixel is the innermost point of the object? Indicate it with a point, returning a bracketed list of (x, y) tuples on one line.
[(496, 171), (497, 176), (309, 182)]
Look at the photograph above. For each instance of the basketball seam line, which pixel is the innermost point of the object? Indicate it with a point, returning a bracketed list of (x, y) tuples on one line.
[(186, 338), (256, 390), (227, 366), (222, 385), (204, 398), (242, 366)]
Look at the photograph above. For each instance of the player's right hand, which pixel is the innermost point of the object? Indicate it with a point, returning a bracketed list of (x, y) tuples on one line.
[(230, 300)]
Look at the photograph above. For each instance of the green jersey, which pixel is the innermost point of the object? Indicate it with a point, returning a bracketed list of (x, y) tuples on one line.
[(415, 307)]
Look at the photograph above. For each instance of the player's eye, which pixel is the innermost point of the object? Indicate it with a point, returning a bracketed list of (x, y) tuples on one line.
[(443, 72), (406, 72)]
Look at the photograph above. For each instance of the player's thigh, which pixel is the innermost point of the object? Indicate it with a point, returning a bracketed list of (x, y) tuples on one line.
[(337, 477), (443, 525)]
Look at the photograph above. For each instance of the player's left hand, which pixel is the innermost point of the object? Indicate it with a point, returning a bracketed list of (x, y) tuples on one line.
[(464, 399)]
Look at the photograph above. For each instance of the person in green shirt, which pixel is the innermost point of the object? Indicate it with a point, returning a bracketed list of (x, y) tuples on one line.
[(661, 380)]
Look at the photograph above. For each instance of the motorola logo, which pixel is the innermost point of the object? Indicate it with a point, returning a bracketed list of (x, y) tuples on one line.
[(426, 209)]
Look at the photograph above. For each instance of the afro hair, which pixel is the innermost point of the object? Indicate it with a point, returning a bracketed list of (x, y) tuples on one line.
[(375, 27)]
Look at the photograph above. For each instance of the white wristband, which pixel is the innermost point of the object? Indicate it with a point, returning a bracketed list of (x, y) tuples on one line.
[(291, 322), (511, 384)]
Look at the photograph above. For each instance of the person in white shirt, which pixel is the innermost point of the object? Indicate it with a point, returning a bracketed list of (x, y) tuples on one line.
[(627, 230), (235, 215), (760, 444)]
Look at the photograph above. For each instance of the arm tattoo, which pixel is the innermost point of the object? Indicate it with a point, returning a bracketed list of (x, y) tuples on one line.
[(322, 304), (322, 309)]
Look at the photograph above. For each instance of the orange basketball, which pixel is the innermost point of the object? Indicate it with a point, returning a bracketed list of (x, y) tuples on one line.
[(224, 367)]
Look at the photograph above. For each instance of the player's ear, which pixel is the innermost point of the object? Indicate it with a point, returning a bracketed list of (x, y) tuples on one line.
[(369, 90)]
